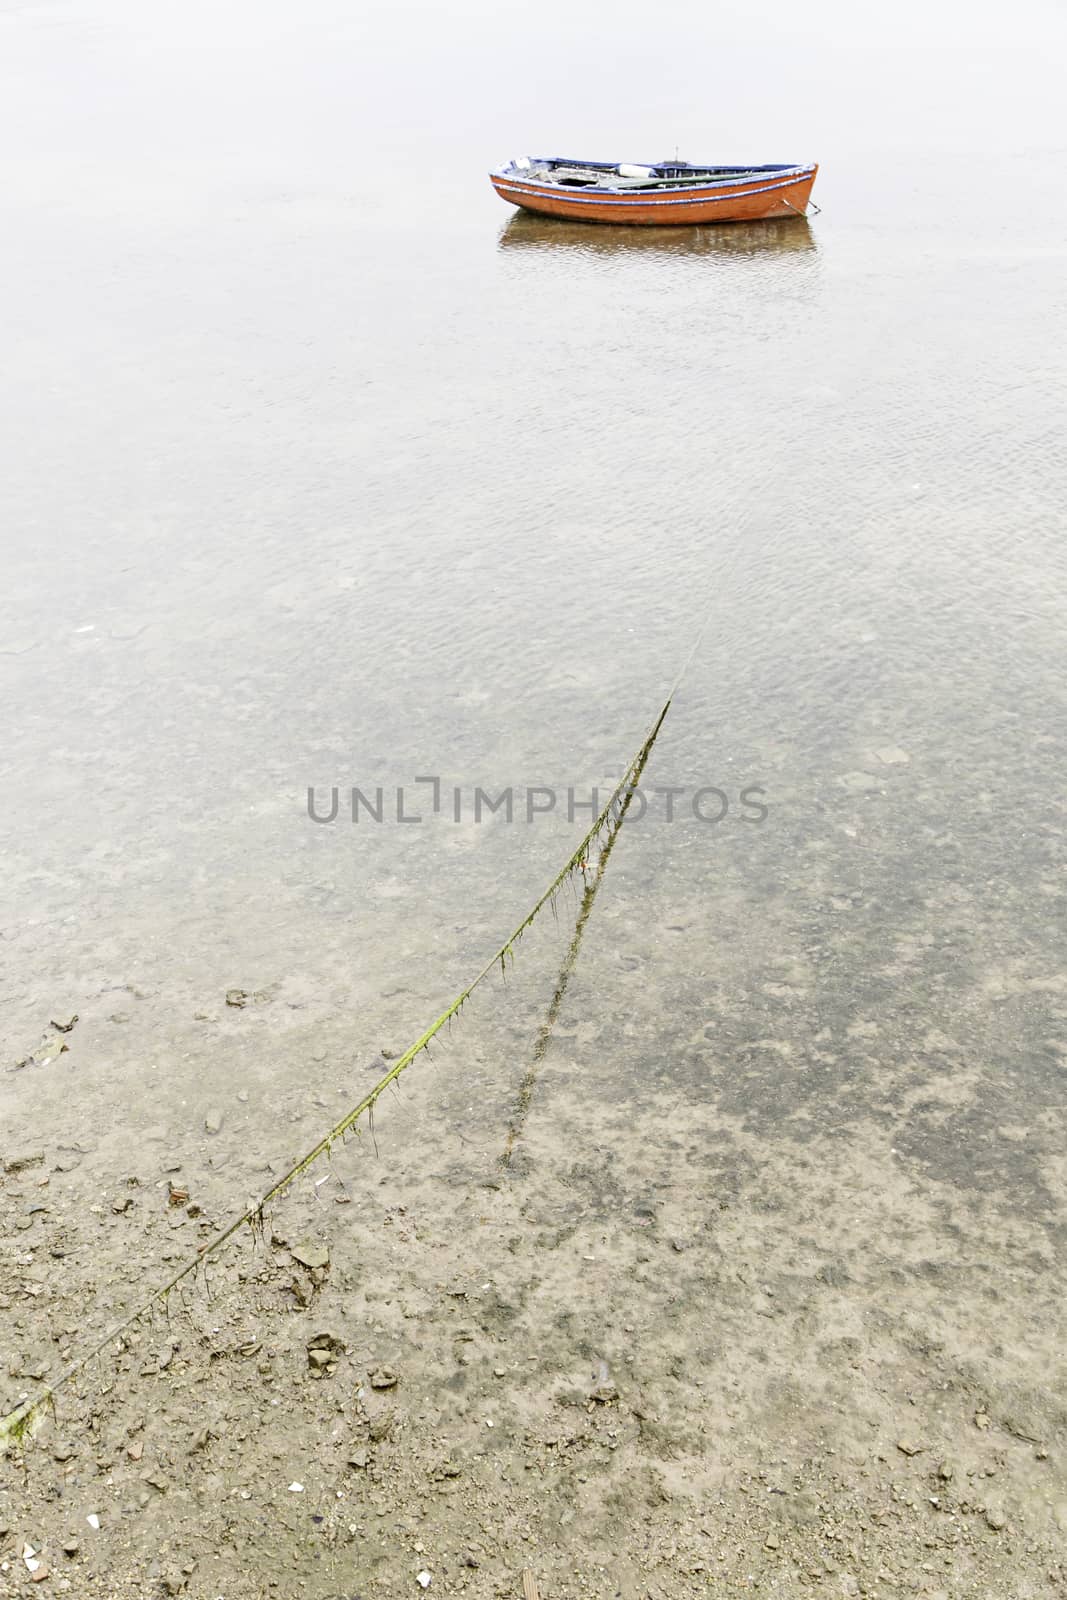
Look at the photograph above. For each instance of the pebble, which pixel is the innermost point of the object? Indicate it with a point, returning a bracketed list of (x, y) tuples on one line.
[(383, 1378), (22, 1160), (381, 1427), (310, 1254), (213, 1121), (859, 782)]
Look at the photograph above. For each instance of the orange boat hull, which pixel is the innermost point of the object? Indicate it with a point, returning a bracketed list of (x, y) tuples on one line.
[(748, 200)]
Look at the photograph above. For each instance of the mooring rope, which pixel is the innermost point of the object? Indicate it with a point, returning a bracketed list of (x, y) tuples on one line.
[(24, 1419)]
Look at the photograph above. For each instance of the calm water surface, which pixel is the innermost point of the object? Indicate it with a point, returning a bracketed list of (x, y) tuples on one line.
[(324, 467)]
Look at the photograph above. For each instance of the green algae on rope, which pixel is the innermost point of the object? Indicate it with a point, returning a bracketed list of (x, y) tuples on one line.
[(21, 1423), (570, 961)]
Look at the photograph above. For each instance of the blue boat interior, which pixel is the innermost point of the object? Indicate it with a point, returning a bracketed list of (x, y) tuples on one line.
[(570, 173)]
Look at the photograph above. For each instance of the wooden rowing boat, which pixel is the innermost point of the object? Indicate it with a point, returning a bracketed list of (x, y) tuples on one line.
[(668, 193)]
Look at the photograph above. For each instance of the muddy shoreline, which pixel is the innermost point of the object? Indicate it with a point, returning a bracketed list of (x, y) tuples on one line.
[(653, 1356)]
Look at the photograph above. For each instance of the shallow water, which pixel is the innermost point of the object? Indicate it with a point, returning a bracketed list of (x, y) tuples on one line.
[(325, 468)]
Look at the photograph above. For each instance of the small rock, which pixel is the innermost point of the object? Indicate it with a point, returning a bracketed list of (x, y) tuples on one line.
[(383, 1378), (172, 1580), (70, 1547), (859, 782), (23, 1160), (771, 1542), (237, 997), (946, 1471), (382, 1426), (310, 1254), (359, 1458), (296, 1488), (981, 1419), (213, 1121), (995, 1518), (909, 1447), (327, 1340), (62, 1452), (423, 1579), (891, 755), (94, 1521), (323, 1351)]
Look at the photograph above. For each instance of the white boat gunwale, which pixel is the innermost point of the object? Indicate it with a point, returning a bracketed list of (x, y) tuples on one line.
[(687, 197), (540, 176)]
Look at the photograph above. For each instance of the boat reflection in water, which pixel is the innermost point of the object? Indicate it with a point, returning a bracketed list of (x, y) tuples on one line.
[(725, 241)]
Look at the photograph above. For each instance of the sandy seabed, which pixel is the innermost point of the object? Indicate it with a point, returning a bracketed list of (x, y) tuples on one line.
[(692, 1340)]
